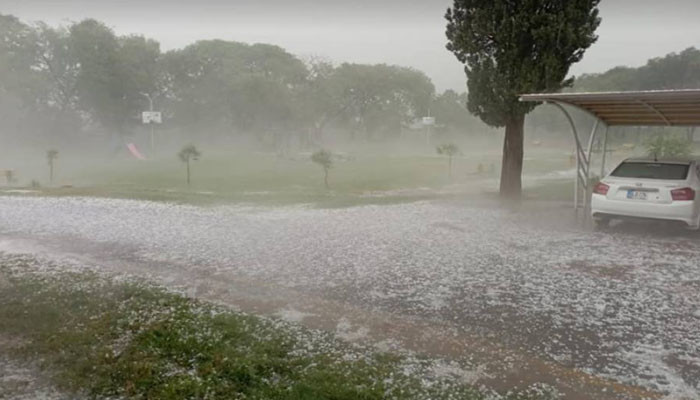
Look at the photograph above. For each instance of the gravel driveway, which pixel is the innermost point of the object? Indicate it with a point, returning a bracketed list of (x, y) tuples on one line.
[(522, 297)]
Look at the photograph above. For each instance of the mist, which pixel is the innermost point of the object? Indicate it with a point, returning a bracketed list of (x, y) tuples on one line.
[(343, 200), (367, 32)]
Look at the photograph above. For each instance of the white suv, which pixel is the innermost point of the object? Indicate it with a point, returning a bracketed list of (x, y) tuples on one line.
[(650, 189)]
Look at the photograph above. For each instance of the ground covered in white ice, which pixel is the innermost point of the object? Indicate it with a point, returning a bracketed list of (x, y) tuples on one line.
[(621, 305)]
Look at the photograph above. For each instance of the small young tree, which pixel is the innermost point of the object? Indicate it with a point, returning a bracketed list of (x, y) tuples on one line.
[(662, 146), (324, 158), (51, 156), (187, 154), (9, 176), (450, 150)]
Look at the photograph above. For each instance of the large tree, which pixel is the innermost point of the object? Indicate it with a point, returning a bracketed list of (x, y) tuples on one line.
[(222, 86), (511, 47), (379, 99), (114, 73)]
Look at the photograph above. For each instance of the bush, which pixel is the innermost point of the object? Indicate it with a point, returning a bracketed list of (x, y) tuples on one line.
[(668, 146)]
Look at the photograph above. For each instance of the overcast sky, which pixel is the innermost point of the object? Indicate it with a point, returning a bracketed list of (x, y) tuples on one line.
[(400, 32)]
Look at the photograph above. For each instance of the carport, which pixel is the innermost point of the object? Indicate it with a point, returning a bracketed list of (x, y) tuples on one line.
[(674, 108)]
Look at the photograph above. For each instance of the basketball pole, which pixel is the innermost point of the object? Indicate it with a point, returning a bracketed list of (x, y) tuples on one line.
[(153, 140), (151, 122)]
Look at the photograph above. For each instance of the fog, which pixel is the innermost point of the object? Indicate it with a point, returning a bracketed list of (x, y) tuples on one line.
[(316, 199), (393, 32)]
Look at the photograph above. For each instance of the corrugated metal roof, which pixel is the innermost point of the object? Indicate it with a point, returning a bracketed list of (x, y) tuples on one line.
[(645, 108)]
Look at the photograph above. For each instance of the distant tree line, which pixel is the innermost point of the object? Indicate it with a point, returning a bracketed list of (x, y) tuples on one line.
[(83, 78), (672, 71)]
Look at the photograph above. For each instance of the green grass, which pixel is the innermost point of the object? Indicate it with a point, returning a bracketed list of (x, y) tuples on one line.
[(556, 190), (105, 339), (263, 178)]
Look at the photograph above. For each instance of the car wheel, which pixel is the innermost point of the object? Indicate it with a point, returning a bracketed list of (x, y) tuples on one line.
[(696, 227), (600, 224)]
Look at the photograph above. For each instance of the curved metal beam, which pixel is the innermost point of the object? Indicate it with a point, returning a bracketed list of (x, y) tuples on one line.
[(581, 159), (576, 106), (579, 147), (605, 152), (656, 110), (591, 138)]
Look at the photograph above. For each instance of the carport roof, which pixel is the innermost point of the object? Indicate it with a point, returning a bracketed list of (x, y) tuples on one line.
[(644, 108)]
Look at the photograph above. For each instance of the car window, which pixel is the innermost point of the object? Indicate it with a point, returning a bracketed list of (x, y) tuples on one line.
[(651, 170)]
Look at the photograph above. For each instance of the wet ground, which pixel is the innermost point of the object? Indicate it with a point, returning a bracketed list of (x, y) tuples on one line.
[(23, 381), (519, 296)]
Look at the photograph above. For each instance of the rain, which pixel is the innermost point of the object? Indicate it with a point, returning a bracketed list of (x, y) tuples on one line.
[(321, 200)]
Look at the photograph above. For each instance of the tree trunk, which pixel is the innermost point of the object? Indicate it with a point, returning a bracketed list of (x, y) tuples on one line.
[(512, 166), (51, 172), (325, 178), (449, 167), (188, 172)]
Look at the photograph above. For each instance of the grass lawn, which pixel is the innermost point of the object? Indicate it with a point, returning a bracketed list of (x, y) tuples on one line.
[(101, 338), (263, 178)]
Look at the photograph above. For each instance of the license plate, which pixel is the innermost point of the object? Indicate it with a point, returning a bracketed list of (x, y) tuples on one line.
[(636, 195)]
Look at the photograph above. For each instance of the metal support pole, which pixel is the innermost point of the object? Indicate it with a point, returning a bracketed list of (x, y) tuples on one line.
[(583, 162), (153, 141), (587, 194), (591, 138), (581, 158), (605, 152), (576, 184)]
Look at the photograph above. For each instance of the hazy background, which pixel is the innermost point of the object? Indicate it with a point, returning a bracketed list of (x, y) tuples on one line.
[(260, 110), (366, 31)]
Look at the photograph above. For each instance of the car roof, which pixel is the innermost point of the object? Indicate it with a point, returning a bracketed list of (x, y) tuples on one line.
[(665, 160)]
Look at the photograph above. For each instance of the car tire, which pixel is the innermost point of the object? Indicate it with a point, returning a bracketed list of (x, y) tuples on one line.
[(696, 227), (600, 224)]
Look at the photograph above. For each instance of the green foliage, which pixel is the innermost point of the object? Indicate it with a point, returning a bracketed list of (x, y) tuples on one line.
[(664, 146), (189, 152), (10, 176), (59, 81), (246, 177), (324, 158), (129, 340), (51, 156), (673, 71), (448, 149), (222, 85), (450, 109), (515, 47), (510, 48), (380, 98), (113, 73)]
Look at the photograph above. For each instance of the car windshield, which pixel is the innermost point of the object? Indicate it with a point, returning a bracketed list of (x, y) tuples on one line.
[(651, 170)]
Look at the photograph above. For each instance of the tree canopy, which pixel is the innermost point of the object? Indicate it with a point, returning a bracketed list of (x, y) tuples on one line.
[(83, 78), (673, 71), (514, 47)]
